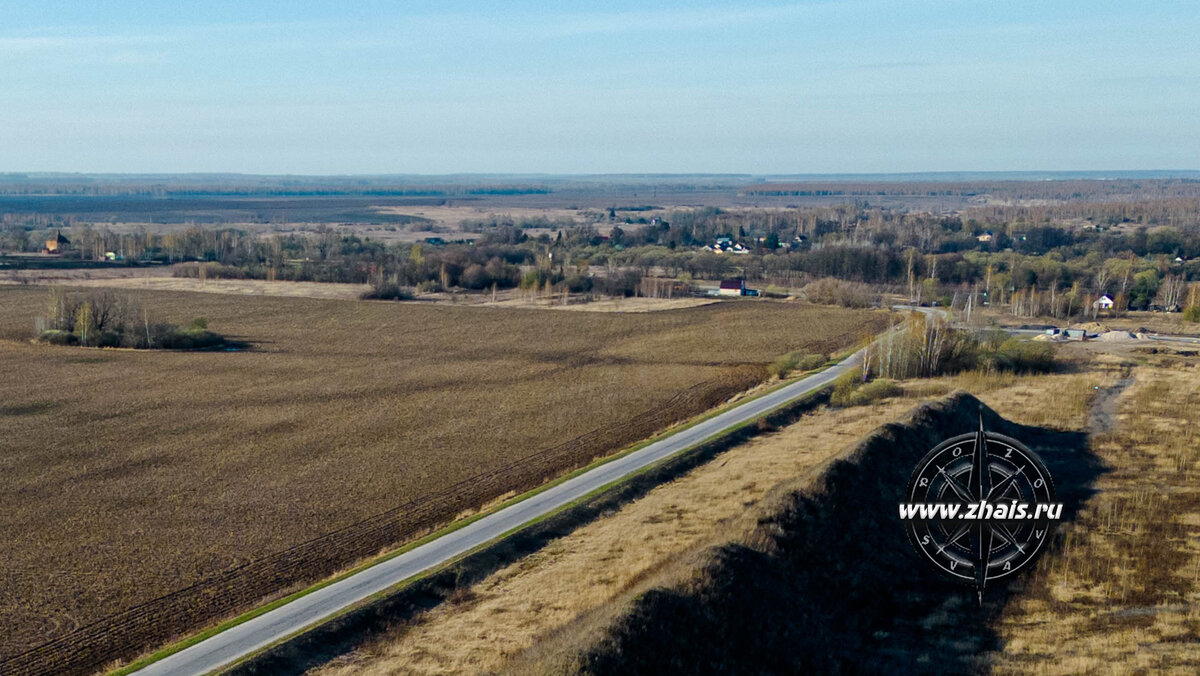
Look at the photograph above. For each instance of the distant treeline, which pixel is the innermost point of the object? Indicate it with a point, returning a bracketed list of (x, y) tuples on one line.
[(1060, 190), (1018, 256)]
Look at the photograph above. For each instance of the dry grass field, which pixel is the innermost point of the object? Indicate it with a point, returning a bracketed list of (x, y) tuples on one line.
[(160, 278), (1122, 592), (238, 287), (131, 474), (607, 305)]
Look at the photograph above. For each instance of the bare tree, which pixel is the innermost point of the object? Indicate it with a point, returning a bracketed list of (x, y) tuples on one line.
[(1171, 292)]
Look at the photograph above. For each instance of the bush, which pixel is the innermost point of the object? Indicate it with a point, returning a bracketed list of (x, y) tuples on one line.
[(210, 271), (830, 291), (795, 361), (171, 338), (1191, 313), (388, 291), (57, 337), (1017, 356), (849, 390)]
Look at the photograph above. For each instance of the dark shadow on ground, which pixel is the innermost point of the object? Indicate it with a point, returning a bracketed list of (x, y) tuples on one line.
[(828, 582)]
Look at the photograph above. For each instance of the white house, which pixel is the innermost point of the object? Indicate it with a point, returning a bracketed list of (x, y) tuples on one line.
[(731, 287), (1103, 303)]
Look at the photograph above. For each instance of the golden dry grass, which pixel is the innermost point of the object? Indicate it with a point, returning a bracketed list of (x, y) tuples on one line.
[(160, 279), (607, 305), (1123, 593), (239, 287), (129, 474)]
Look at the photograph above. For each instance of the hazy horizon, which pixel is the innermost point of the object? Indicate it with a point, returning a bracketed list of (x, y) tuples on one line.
[(862, 87)]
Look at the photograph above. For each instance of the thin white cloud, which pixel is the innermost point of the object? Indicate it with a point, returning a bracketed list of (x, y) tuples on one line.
[(73, 38), (41, 43), (671, 20)]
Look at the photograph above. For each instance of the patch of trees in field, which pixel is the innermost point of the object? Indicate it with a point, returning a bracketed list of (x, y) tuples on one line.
[(108, 319)]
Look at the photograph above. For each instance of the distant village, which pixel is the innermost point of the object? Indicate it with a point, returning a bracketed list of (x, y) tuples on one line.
[(727, 245)]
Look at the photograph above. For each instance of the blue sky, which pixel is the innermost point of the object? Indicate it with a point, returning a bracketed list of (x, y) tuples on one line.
[(570, 87)]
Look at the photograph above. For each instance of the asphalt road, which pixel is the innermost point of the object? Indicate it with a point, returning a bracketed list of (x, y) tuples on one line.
[(233, 644), (228, 646)]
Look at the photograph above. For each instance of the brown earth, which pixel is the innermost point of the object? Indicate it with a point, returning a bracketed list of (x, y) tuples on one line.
[(131, 474)]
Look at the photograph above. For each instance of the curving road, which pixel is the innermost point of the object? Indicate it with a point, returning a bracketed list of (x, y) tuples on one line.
[(237, 642)]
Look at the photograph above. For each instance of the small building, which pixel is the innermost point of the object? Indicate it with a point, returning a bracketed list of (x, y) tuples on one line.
[(732, 287), (1103, 303), (57, 245), (985, 237)]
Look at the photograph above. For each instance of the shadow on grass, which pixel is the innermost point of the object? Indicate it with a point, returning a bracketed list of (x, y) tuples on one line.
[(827, 582)]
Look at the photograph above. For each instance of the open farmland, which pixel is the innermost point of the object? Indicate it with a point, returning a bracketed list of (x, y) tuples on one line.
[(129, 475)]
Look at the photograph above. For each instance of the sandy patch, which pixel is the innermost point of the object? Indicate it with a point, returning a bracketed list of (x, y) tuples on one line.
[(240, 287)]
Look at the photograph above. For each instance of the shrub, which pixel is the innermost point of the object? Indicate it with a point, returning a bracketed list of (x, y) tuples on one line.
[(172, 338), (850, 390), (388, 291), (1192, 313), (1017, 356), (210, 271), (830, 291), (58, 337)]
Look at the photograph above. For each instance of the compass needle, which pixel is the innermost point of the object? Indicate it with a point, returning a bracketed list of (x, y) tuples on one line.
[(1008, 537), (963, 493), (1007, 481), (962, 530)]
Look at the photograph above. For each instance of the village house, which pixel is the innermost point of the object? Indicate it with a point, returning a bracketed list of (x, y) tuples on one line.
[(732, 287), (57, 244)]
